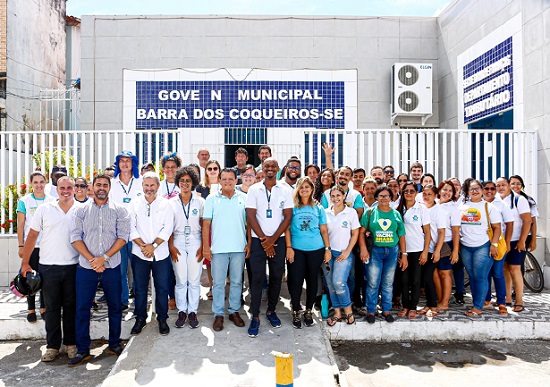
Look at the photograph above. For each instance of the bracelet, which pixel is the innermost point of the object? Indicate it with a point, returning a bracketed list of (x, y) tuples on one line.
[(405, 254), (20, 245), (289, 247)]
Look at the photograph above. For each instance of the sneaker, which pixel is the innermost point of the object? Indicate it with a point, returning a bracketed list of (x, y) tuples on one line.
[(164, 329), (273, 319), (193, 321), (31, 317), (71, 351), (388, 317), (370, 318), (80, 358), (138, 326), (308, 318), (180, 322), (459, 298), (50, 355), (117, 350), (101, 300), (254, 327), (296, 322)]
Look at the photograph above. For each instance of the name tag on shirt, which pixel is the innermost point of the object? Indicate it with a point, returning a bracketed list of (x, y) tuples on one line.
[(126, 200), (269, 214)]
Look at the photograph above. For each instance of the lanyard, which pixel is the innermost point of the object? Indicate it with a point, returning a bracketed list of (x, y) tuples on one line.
[(129, 188), (268, 196), (168, 193), (186, 213)]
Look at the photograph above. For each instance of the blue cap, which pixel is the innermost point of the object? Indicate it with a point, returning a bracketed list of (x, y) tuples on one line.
[(135, 162)]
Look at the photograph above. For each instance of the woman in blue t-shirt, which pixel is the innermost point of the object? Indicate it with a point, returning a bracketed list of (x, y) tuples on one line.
[(307, 244)]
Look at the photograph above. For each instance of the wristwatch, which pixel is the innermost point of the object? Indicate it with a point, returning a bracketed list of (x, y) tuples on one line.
[(494, 244), (155, 245), (328, 248), (107, 258)]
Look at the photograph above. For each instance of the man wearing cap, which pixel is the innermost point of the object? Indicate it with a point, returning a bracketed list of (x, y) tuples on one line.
[(126, 186), (57, 172)]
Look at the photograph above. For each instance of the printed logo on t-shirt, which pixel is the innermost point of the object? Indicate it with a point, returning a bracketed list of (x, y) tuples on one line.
[(345, 224), (195, 212), (384, 223), (471, 216), (415, 218), (282, 204), (305, 225)]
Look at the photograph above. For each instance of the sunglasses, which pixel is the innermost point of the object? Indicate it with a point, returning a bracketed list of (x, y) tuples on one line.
[(81, 186), (409, 191), (402, 180), (489, 188), (389, 172), (212, 168), (327, 267)]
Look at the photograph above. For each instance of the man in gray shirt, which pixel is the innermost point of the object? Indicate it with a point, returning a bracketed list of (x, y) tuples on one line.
[(101, 229)]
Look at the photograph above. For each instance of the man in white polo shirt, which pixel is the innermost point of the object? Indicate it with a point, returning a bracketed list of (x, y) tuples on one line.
[(151, 224), (57, 267), (126, 186), (269, 211)]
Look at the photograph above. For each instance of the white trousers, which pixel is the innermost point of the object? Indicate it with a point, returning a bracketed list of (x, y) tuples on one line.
[(188, 274)]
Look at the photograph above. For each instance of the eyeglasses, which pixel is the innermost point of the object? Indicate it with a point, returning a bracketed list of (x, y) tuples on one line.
[(248, 175), (474, 189), (212, 168), (293, 168), (515, 183), (388, 172), (402, 180), (489, 188), (81, 186), (327, 267), (409, 191), (383, 196)]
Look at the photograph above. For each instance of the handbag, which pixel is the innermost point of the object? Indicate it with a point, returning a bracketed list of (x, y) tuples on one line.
[(501, 242), (369, 236)]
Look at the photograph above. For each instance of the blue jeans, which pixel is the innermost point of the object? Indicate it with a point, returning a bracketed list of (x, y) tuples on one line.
[(497, 275), (125, 256), (161, 273), (87, 280), (220, 263), (478, 263), (336, 276), (381, 273)]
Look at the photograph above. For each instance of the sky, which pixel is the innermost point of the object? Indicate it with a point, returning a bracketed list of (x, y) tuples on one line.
[(257, 7)]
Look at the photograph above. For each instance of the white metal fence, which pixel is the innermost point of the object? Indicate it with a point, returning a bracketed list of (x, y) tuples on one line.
[(445, 153)]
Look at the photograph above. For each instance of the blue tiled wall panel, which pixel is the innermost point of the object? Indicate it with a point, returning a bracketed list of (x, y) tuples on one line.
[(147, 97)]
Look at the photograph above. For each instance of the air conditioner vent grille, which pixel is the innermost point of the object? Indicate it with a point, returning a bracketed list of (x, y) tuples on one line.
[(408, 101), (408, 75)]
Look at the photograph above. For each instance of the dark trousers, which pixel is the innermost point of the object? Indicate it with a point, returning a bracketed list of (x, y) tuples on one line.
[(31, 300), (161, 273), (429, 286), (305, 267), (358, 278), (111, 282), (410, 282), (58, 286), (276, 265)]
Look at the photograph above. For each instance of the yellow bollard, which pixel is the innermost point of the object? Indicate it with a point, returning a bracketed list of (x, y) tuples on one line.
[(284, 369)]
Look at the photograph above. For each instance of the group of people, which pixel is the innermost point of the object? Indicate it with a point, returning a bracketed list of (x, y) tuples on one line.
[(355, 236)]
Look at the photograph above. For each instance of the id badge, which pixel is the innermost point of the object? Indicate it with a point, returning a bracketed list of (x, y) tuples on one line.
[(126, 200), (269, 214), (187, 230)]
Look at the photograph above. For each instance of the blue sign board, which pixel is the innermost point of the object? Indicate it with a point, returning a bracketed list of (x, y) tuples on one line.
[(239, 104), (488, 83)]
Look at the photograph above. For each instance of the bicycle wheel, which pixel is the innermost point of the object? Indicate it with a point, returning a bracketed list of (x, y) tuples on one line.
[(533, 277)]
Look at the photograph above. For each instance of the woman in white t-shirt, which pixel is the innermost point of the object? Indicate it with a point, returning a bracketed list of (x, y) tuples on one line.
[(417, 228), (477, 251), (518, 186), (518, 245), (26, 207), (343, 230)]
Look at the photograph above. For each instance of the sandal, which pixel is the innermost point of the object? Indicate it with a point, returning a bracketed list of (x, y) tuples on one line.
[(502, 310), (403, 312), (412, 314), (172, 304), (423, 311), (487, 304), (518, 308), (348, 318), (332, 320), (473, 314), (50, 355)]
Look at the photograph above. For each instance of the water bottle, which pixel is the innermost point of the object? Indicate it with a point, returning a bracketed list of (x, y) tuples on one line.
[(324, 306)]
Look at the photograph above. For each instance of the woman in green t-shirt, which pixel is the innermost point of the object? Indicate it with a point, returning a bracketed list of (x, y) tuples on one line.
[(386, 225)]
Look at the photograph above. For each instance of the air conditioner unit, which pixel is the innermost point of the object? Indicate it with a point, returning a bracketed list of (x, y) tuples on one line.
[(411, 90)]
